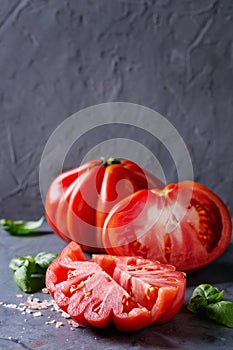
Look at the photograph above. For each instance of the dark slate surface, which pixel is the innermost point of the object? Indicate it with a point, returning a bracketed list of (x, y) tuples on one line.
[(57, 57), (185, 331)]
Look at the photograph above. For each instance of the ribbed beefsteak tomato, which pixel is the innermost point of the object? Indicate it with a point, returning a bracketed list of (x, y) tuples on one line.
[(79, 200), (185, 224), (130, 292)]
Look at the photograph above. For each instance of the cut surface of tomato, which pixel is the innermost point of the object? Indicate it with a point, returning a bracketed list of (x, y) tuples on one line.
[(185, 224), (158, 287), (130, 293)]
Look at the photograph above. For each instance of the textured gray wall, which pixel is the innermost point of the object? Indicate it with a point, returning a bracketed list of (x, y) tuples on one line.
[(57, 57)]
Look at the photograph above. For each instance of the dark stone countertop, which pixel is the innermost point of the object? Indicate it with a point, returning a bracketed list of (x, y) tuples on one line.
[(24, 331)]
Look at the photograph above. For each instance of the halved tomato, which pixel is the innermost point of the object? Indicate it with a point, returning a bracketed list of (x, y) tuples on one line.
[(129, 292), (185, 224)]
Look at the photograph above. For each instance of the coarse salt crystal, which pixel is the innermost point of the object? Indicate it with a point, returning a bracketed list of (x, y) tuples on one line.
[(21, 308), (11, 306), (37, 314), (73, 323), (59, 324), (65, 314), (50, 322)]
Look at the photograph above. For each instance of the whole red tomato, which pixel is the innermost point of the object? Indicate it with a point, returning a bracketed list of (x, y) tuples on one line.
[(129, 292), (185, 224), (79, 200)]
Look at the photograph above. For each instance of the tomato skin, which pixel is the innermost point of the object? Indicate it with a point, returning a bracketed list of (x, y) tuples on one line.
[(105, 290), (79, 200), (185, 224)]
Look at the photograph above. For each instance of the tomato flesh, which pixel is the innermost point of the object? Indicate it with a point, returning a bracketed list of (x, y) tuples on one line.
[(149, 282), (185, 225), (129, 292)]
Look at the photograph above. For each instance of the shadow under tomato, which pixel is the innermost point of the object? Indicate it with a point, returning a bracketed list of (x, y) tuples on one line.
[(184, 331), (219, 271), (151, 337)]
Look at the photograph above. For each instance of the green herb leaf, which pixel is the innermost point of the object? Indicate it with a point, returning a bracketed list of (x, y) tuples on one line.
[(210, 293), (203, 295), (221, 312), (19, 261), (207, 301), (29, 271), (29, 278), (19, 227), (44, 259), (197, 304)]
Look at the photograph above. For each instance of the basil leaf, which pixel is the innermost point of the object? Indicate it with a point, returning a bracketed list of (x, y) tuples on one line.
[(19, 227), (29, 278), (19, 261), (206, 301), (29, 271), (44, 259), (197, 304), (221, 312), (208, 292), (202, 296)]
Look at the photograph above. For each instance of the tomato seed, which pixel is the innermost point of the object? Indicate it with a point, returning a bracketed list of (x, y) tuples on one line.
[(74, 288), (87, 294), (97, 309)]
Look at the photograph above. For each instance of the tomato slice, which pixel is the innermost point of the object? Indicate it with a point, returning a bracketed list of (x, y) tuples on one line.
[(158, 287), (185, 225), (129, 292)]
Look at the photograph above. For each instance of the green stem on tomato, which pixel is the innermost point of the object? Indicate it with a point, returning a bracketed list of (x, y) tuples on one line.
[(110, 161)]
